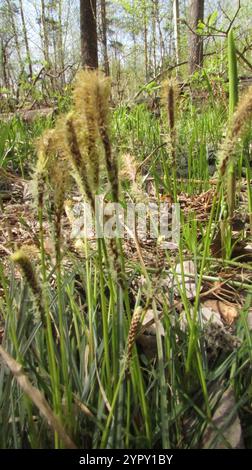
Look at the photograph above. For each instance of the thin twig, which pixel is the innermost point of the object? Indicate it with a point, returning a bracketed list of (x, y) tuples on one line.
[(139, 166)]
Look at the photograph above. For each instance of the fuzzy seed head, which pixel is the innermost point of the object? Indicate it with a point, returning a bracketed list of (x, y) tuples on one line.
[(241, 117), (80, 166), (91, 101), (169, 99), (52, 167), (21, 259), (132, 335)]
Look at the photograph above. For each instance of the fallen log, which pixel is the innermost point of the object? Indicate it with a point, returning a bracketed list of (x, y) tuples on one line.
[(28, 115)]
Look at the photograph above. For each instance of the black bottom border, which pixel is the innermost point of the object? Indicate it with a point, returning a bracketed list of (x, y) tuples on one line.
[(112, 458)]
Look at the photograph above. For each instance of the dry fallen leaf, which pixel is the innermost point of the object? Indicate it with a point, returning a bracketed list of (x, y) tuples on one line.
[(208, 315), (148, 340), (224, 431), (151, 330), (188, 268), (228, 312), (172, 281)]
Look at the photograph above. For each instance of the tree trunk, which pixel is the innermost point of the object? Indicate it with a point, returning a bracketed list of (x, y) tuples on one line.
[(145, 38), (45, 34), (28, 55), (4, 65), (15, 33), (61, 44), (176, 31), (104, 37), (154, 36), (89, 48), (195, 41), (158, 23)]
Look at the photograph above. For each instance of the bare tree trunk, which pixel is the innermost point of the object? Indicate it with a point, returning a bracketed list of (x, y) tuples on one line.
[(15, 34), (145, 22), (154, 34), (158, 23), (52, 29), (45, 34), (54, 43), (61, 45), (89, 47), (4, 65), (28, 55), (176, 31), (45, 39), (104, 37), (195, 41)]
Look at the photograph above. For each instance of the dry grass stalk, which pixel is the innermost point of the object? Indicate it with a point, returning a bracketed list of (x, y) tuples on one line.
[(37, 398)]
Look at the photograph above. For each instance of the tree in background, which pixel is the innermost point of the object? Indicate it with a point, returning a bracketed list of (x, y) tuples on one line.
[(196, 12), (25, 35), (104, 36), (52, 29), (43, 20), (11, 62), (176, 30), (136, 41), (89, 47)]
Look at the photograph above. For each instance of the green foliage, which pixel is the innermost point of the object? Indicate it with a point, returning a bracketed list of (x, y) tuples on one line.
[(151, 87), (232, 74), (17, 143), (212, 18), (233, 100), (78, 361), (148, 390)]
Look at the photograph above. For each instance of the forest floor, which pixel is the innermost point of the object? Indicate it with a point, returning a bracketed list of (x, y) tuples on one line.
[(223, 290), (194, 337)]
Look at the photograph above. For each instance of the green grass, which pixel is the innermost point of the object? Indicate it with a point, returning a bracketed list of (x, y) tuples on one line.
[(17, 137), (154, 402), (78, 361)]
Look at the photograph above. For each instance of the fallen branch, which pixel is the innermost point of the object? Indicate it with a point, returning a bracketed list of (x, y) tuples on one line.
[(37, 398), (28, 115)]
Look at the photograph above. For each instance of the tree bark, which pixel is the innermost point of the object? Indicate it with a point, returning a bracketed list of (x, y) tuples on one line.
[(104, 37), (15, 33), (195, 41), (145, 32), (158, 23), (154, 35), (61, 44), (4, 65), (28, 54), (176, 31), (89, 47), (45, 34)]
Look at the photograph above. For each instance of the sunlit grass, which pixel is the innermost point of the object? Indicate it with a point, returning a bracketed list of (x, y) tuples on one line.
[(78, 361)]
